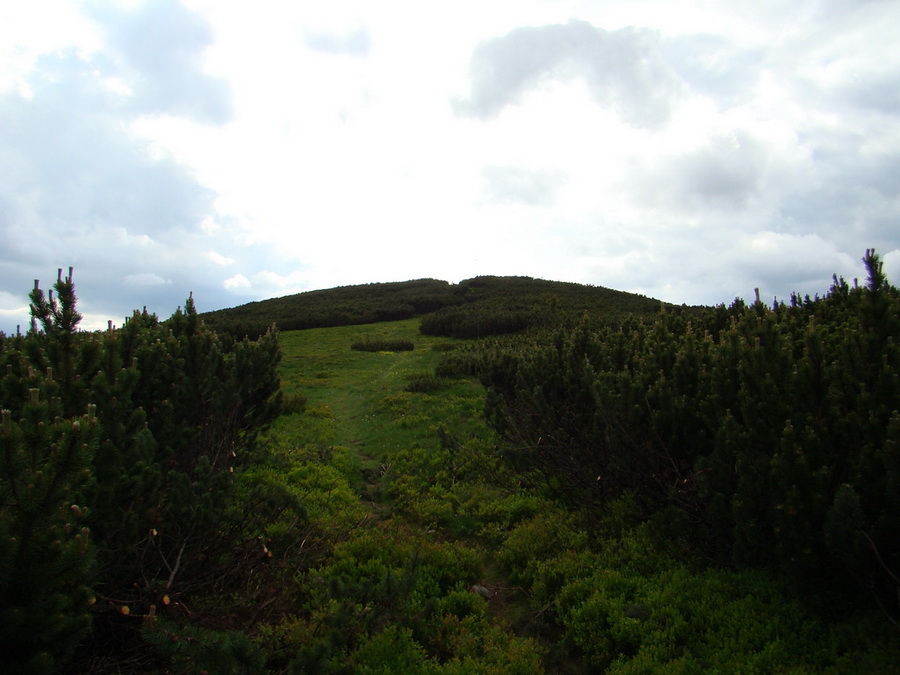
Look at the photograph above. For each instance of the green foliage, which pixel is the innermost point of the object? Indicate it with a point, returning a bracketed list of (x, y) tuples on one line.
[(46, 556), (378, 574), (504, 305), (270, 510), (46, 451), (535, 540), (197, 650), (382, 345), (379, 525), (473, 308), (424, 383), (118, 457), (626, 605), (295, 403), (468, 570), (183, 408), (772, 430), (376, 578), (344, 306), (325, 494), (393, 650), (467, 322), (680, 620), (543, 564)]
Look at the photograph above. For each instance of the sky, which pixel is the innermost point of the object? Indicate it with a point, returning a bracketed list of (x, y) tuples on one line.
[(687, 150)]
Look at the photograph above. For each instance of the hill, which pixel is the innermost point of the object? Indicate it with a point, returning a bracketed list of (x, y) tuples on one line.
[(704, 490), (462, 309)]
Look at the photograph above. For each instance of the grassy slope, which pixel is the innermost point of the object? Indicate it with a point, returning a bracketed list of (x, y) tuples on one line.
[(357, 399), (387, 442), (390, 451)]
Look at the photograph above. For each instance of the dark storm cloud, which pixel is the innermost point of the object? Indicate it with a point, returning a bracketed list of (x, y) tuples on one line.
[(622, 68), (355, 43), (514, 185), (157, 49)]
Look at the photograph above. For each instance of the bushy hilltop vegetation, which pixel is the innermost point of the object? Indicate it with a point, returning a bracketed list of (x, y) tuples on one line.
[(762, 436), (476, 307), (342, 306), (598, 483), (117, 452)]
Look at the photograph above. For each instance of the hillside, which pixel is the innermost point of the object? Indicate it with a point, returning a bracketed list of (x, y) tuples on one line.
[(520, 299), (706, 490)]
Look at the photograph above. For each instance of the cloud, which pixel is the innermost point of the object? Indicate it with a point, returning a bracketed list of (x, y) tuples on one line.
[(79, 187), (238, 281), (516, 185), (777, 260), (356, 42), (714, 66), (156, 48), (219, 259), (145, 279), (265, 284), (70, 172), (726, 173), (891, 266), (848, 191), (70, 166), (719, 266), (622, 68), (240, 152), (878, 91)]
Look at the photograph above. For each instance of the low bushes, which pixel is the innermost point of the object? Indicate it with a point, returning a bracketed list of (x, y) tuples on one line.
[(630, 605), (382, 345)]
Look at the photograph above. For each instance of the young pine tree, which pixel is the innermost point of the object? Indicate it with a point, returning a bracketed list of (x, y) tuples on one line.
[(46, 557)]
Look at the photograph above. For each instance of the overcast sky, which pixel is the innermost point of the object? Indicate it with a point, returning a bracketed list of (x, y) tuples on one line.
[(687, 150)]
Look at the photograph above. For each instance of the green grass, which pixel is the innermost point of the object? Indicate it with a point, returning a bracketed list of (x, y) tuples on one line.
[(410, 505), (409, 547), (359, 400)]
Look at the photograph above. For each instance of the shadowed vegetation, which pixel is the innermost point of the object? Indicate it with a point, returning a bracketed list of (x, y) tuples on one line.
[(473, 308), (621, 487)]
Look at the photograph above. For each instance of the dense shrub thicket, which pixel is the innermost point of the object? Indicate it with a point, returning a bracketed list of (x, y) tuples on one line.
[(769, 436), (685, 490), (503, 305), (343, 306), (117, 452), (477, 323), (473, 308), (382, 345)]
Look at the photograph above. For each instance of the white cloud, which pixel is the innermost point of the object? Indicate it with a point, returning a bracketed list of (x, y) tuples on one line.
[(356, 42), (237, 282), (688, 150), (145, 279), (892, 265), (515, 184), (622, 69), (220, 259)]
